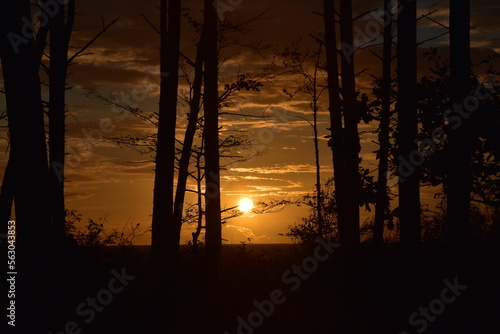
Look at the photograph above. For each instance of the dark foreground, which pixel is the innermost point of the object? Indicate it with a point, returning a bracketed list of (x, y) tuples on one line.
[(284, 289)]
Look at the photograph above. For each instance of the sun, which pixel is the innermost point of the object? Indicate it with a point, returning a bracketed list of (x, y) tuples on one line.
[(245, 204)]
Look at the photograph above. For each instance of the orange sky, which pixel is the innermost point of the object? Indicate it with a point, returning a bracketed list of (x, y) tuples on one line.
[(105, 180)]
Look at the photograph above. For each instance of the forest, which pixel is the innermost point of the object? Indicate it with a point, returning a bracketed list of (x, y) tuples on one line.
[(236, 166)]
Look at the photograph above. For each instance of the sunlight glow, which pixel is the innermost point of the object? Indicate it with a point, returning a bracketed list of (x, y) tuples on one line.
[(245, 204)]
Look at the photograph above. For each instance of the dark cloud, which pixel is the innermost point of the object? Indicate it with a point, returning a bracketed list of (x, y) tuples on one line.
[(91, 76)]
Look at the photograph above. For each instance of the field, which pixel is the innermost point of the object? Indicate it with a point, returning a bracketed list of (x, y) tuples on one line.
[(287, 289)]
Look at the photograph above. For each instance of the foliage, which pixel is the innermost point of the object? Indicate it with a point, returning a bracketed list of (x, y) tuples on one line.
[(368, 188), (483, 124), (94, 234), (306, 231), (243, 83), (433, 222)]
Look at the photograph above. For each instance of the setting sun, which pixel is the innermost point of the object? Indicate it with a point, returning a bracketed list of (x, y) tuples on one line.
[(245, 205)]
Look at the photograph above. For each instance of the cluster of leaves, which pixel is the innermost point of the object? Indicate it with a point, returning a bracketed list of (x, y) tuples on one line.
[(368, 188), (94, 234), (306, 232), (366, 108), (483, 125), (483, 221), (231, 90)]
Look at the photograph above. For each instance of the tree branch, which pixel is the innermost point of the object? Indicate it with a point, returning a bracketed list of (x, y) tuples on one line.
[(78, 53), (363, 14)]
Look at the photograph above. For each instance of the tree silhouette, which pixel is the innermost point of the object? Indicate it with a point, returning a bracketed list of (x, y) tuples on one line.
[(344, 118), (349, 201), (213, 235), (337, 139), (165, 234), (382, 203), (306, 232), (408, 182), (307, 66), (61, 27), (458, 168), (20, 57), (187, 145)]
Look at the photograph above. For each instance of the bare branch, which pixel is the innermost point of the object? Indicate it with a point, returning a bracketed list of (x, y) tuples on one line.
[(433, 38), (426, 15), (376, 55), (364, 14), (242, 24), (361, 72), (78, 53), (437, 22), (151, 24)]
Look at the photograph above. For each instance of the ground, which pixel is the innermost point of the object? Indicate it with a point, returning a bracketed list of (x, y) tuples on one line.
[(359, 291)]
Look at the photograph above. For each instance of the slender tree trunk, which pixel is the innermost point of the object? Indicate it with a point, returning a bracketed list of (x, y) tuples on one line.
[(335, 109), (165, 234), (382, 202), (28, 156), (319, 200), (199, 179), (459, 178), (60, 34), (211, 137), (409, 191), (190, 133), (350, 233)]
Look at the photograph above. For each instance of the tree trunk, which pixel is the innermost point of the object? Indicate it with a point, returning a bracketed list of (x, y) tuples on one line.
[(28, 156), (315, 109), (199, 196), (211, 136), (335, 110), (165, 234), (349, 234), (382, 201), (319, 200), (459, 178), (409, 192), (59, 42), (189, 135)]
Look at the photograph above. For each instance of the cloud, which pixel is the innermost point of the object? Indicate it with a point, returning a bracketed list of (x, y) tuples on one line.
[(283, 169), (246, 232), (78, 195)]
